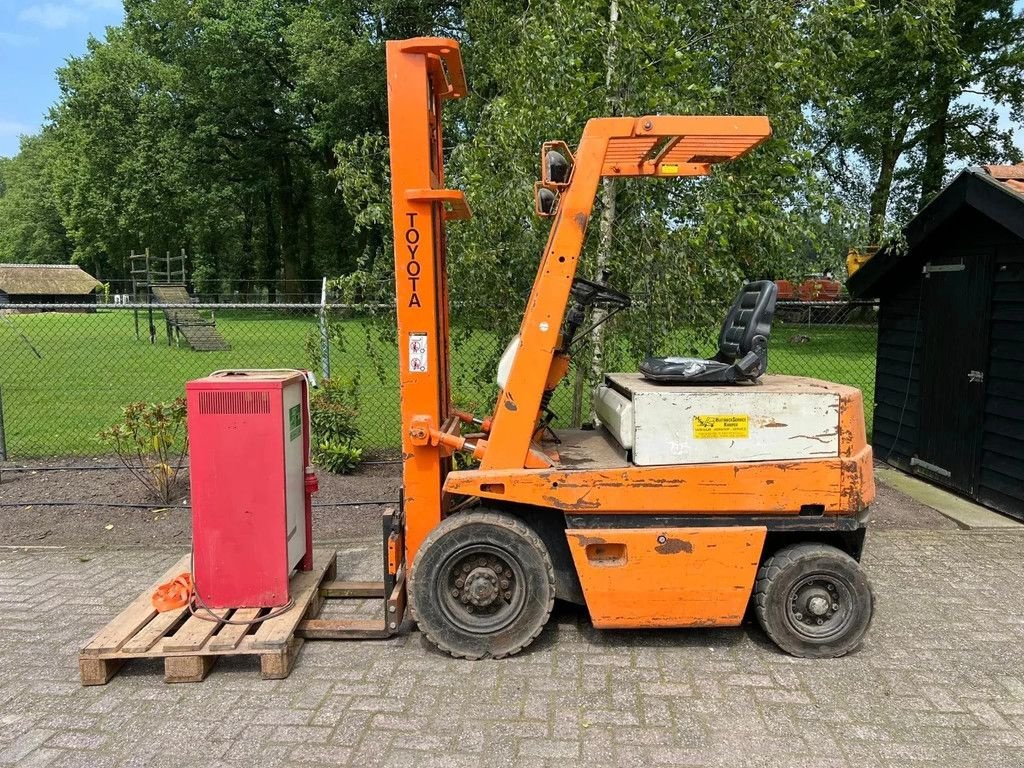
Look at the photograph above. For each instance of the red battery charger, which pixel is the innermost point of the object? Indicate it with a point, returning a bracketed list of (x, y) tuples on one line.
[(251, 485)]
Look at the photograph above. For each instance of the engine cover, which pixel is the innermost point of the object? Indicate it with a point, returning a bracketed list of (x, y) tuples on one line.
[(775, 418)]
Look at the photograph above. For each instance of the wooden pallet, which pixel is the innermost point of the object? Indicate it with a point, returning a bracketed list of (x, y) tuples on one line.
[(190, 646)]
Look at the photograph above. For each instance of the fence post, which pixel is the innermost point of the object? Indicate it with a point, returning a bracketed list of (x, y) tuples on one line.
[(135, 293), (3, 434), (325, 338)]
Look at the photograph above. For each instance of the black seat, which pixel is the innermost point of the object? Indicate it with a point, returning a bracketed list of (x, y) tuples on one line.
[(742, 344)]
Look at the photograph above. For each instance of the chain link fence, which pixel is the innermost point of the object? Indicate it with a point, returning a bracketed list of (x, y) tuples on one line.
[(66, 371)]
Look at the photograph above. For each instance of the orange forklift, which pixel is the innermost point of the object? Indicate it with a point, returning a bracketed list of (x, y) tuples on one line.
[(703, 489)]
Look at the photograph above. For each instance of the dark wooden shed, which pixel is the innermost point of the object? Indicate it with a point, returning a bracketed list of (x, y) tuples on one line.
[(949, 382)]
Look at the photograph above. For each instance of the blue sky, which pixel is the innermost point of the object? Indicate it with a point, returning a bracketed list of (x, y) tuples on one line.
[(36, 36)]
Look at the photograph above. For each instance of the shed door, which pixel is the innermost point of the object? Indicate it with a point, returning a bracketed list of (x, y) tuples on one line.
[(954, 362)]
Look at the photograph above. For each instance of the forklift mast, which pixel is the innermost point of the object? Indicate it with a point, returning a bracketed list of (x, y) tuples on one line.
[(423, 73)]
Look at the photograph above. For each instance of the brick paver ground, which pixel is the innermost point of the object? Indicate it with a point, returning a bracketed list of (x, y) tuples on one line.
[(939, 681)]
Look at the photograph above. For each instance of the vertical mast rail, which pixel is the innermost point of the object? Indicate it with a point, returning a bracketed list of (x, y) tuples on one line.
[(423, 73)]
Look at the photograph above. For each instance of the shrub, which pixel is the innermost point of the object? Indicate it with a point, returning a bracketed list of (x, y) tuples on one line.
[(151, 442), (332, 417), (339, 458)]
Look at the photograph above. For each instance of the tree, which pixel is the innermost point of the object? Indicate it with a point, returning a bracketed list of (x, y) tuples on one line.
[(987, 62), (31, 230), (896, 115)]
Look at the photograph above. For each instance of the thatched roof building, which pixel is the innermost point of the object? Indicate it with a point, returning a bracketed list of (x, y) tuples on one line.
[(46, 284)]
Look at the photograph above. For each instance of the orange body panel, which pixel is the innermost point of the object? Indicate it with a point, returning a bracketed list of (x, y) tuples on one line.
[(669, 577), (762, 488)]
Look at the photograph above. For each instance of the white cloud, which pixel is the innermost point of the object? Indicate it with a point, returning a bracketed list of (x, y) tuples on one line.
[(14, 40), (12, 128), (51, 16)]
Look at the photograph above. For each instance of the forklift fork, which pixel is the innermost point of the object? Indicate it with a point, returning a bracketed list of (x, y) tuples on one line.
[(391, 590)]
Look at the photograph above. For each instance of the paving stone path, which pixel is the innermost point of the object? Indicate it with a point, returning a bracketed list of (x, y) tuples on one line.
[(939, 681)]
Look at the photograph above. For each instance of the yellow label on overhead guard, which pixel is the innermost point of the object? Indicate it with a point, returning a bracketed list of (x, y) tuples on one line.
[(668, 168), (727, 425)]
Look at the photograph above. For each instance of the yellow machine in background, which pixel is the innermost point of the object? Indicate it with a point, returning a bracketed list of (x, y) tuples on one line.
[(858, 257)]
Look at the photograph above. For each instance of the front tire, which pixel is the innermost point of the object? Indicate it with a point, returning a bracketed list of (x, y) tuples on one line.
[(482, 585), (813, 601)]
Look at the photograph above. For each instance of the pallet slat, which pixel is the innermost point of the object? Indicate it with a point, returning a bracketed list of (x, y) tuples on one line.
[(275, 633), (231, 635), (133, 618), (194, 633), (154, 631)]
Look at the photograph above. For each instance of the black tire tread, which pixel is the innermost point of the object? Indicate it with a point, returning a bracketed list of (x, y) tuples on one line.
[(513, 524), (774, 566)]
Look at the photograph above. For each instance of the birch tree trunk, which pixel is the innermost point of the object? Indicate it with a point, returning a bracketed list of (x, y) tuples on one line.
[(607, 227)]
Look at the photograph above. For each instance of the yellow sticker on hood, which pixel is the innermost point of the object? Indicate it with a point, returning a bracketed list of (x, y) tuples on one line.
[(721, 426)]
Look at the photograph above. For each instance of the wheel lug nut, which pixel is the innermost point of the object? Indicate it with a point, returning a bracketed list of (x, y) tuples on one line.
[(504, 583), (508, 595), (455, 593), (465, 568), (821, 621), (835, 606), (799, 617)]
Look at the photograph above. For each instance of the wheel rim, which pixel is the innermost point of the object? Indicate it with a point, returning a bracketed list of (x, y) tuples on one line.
[(820, 606), (482, 589)]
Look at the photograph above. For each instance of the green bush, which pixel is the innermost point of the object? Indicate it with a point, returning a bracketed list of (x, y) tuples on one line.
[(151, 441), (339, 458), (333, 422)]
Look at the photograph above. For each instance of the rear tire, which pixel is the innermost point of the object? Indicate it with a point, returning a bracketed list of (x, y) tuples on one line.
[(813, 601), (482, 585)]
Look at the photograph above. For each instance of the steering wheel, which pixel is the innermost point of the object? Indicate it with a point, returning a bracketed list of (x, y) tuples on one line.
[(589, 293)]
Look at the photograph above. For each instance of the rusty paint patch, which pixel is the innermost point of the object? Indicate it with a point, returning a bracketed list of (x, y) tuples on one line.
[(580, 219), (578, 504), (674, 547), (509, 405), (666, 483), (586, 541), (773, 424)]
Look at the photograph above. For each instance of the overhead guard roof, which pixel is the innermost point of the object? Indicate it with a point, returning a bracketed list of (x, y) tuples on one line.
[(670, 145)]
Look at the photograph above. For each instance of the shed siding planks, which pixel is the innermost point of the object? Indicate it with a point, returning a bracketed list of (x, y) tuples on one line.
[(898, 375), (1001, 481)]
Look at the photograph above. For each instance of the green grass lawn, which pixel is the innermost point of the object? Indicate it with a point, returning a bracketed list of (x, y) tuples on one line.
[(90, 365)]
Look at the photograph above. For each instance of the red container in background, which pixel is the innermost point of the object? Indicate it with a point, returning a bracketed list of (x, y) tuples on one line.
[(251, 509)]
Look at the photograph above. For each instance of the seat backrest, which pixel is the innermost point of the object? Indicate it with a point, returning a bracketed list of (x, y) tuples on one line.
[(749, 317)]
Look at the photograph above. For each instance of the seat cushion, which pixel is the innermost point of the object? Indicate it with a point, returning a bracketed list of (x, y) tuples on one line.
[(679, 369)]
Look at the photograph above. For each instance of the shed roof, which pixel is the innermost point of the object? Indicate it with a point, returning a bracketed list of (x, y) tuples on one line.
[(50, 279), (997, 191), (1010, 175)]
